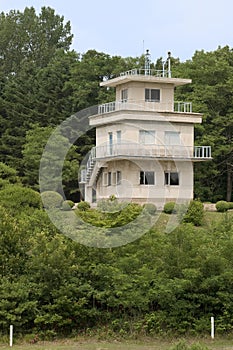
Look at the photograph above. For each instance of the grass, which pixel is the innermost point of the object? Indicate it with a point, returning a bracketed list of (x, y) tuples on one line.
[(92, 344)]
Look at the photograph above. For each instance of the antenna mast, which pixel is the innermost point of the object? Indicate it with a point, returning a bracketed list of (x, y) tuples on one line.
[(147, 63)]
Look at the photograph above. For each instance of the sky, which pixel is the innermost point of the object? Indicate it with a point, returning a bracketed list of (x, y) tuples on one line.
[(128, 28)]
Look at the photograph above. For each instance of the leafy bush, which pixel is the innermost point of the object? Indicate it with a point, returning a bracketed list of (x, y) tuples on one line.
[(222, 206), (169, 208), (16, 198), (67, 205), (51, 199), (195, 213), (150, 208), (230, 204), (83, 206), (111, 205)]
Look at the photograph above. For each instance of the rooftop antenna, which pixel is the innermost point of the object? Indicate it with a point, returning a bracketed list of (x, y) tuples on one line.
[(147, 63), (168, 63)]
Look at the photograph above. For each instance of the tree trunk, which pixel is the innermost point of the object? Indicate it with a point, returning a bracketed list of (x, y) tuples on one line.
[(229, 182)]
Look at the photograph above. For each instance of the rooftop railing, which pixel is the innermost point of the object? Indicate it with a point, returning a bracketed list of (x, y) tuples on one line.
[(150, 72)]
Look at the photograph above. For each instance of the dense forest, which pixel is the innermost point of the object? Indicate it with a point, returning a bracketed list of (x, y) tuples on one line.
[(160, 283)]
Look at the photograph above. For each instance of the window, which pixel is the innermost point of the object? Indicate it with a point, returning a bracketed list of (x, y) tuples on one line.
[(118, 177), (124, 95), (109, 179), (172, 138), (171, 178), (110, 140), (147, 178), (147, 137), (105, 179), (119, 136), (152, 95), (115, 178)]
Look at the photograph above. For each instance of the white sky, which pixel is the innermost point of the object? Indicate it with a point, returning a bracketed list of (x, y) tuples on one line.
[(128, 28)]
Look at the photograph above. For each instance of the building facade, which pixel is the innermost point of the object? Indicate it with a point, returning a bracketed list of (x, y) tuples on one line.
[(144, 142)]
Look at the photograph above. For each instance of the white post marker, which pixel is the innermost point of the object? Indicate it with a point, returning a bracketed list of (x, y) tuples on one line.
[(11, 335), (212, 327)]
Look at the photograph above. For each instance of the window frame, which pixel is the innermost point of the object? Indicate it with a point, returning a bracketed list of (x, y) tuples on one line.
[(145, 176), (124, 95), (147, 137), (168, 138), (149, 95), (169, 181)]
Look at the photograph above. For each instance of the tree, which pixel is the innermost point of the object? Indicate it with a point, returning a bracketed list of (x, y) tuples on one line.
[(211, 93), (26, 36)]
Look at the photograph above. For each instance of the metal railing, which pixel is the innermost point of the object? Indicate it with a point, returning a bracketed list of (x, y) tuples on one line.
[(152, 150), (179, 106), (134, 150), (150, 72)]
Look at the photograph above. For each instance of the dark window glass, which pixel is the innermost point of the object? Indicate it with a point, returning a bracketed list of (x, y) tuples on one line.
[(174, 179), (171, 178), (109, 179), (147, 178), (152, 95)]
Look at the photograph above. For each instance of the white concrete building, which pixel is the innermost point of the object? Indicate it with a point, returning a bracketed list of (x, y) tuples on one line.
[(144, 141)]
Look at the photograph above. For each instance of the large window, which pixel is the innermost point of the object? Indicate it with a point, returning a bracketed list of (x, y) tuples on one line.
[(147, 137), (152, 95), (147, 178), (124, 95), (172, 138), (171, 178)]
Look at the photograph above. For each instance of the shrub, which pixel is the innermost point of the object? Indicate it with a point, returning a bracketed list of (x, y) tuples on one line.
[(195, 213), (111, 205), (51, 199), (67, 205), (169, 208), (150, 208), (83, 206), (230, 204), (17, 198), (222, 206)]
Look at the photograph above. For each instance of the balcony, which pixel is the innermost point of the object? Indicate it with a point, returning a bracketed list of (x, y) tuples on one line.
[(139, 151), (135, 150), (178, 106)]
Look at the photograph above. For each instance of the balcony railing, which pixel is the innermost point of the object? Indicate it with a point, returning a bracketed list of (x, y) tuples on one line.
[(155, 151), (179, 106), (135, 150)]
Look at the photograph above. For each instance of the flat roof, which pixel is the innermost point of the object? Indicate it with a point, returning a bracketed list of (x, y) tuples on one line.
[(144, 78)]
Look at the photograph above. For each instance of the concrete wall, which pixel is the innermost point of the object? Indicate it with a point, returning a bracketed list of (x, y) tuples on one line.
[(130, 188)]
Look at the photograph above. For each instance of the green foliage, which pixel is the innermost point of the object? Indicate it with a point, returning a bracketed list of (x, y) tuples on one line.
[(230, 204), (51, 199), (111, 213), (222, 206), (83, 206), (211, 74), (195, 213), (169, 207), (16, 198), (182, 345), (67, 205), (150, 208)]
